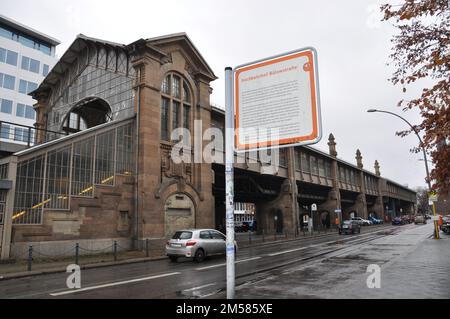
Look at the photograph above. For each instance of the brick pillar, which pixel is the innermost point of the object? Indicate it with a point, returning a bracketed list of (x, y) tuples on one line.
[(41, 118)]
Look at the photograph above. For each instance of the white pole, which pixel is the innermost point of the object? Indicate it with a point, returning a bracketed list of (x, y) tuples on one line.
[(229, 182)]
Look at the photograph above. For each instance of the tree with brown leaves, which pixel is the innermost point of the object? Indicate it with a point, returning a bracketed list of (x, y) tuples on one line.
[(421, 50)]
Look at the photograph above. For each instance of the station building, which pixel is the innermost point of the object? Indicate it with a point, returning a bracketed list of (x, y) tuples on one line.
[(102, 170)]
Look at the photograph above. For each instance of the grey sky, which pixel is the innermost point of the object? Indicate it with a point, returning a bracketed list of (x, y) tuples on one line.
[(353, 48)]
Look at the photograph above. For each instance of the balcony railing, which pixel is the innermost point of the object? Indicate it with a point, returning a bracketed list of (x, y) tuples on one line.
[(25, 135)]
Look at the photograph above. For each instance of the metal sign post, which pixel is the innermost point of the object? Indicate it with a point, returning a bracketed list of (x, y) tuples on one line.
[(229, 182), (278, 95)]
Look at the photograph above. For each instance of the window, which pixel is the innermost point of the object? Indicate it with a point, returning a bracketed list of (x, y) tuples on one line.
[(2, 205), (23, 134), (74, 123), (26, 111), (314, 169), (328, 169), (26, 87), (305, 163), (25, 63), (175, 115), (6, 106), (45, 70), (321, 167), (7, 81), (23, 86), (205, 235), (30, 64), (11, 58), (25, 40), (175, 105), (4, 131), (7, 56), (165, 119), (186, 116), (30, 113)]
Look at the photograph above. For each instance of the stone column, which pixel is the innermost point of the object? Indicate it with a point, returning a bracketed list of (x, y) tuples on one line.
[(361, 204), (41, 118), (334, 196)]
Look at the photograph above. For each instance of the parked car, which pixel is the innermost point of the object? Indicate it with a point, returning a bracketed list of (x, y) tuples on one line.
[(427, 216), (420, 219), (397, 221), (445, 221), (375, 220), (349, 227), (406, 219), (445, 227), (362, 221), (196, 244)]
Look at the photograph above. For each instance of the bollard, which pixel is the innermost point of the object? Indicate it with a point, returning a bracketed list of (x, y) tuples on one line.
[(30, 258), (146, 247), (115, 250), (275, 235), (249, 237), (285, 235), (263, 235), (77, 252)]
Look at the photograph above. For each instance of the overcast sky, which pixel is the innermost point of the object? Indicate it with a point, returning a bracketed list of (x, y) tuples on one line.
[(353, 48)]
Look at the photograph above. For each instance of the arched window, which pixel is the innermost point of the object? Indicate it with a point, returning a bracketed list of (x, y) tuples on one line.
[(176, 104), (74, 123)]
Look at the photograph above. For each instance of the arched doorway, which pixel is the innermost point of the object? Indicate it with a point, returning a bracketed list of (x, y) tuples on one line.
[(87, 113), (179, 213), (278, 220)]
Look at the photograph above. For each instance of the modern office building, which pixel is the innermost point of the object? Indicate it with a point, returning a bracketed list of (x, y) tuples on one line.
[(26, 57)]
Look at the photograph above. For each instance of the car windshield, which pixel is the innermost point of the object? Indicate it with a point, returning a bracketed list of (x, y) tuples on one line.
[(182, 235)]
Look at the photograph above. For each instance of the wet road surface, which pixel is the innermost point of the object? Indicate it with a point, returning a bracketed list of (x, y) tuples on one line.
[(186, 279)]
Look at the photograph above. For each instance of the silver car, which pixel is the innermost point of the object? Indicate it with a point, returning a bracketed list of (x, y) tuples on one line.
[(196, 244)]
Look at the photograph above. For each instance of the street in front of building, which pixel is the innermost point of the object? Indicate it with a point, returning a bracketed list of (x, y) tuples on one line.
[(412, 265)]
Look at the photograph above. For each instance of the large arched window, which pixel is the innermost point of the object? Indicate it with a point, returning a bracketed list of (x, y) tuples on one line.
[(176, 104), (87, 113)]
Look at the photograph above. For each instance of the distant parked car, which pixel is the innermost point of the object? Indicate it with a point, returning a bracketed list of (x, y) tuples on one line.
[(362, 221), (420, 219), (427, 216), (375, 220), (196, 244), (349, 227), (397, 221)]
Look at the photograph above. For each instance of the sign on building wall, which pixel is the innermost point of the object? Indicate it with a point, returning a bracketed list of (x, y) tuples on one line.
[(277, 101)]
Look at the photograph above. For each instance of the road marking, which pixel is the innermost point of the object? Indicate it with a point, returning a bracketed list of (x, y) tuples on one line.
[(287, 251), (220, 265), (199, 287), (112, 284)]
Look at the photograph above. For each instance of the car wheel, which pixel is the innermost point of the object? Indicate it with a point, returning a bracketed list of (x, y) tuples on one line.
[(199, 255), (173, 259)]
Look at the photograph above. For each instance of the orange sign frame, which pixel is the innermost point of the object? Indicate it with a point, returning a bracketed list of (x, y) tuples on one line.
[(311, 66)]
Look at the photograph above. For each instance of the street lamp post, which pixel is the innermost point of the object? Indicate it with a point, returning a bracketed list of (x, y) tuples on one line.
[(436, 229)]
